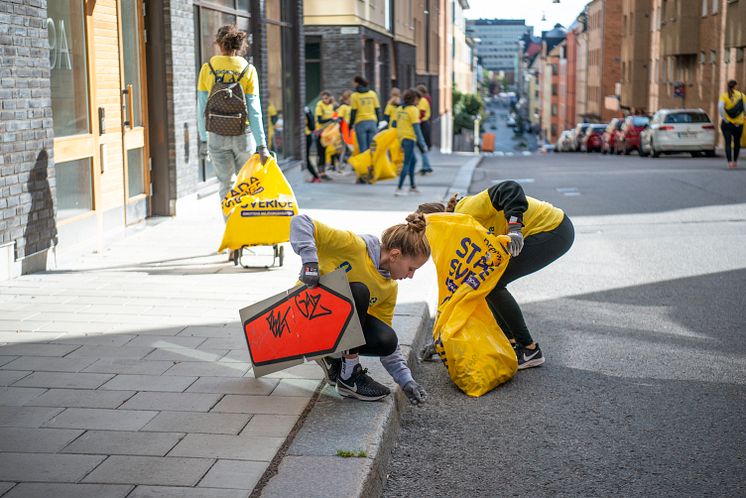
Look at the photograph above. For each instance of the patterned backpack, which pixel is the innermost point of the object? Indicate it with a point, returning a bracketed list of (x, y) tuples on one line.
[(225, 112)]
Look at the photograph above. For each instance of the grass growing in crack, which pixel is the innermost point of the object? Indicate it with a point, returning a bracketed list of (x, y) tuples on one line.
[(351, 454)]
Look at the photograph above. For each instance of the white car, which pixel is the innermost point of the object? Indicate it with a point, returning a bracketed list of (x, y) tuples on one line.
[(679, 130), (564, 142)]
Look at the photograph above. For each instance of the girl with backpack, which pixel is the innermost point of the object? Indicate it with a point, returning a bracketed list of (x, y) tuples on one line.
[(228, 101)]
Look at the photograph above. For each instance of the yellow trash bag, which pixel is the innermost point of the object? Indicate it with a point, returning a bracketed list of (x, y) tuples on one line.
[(259, 207), (374, 164), (469, 261)]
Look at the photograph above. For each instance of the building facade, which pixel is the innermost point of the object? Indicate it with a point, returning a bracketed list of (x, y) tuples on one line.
[(99, 113), (735, 41), (635, 72), (497, 43), (463, 63), (427, 65), (604, 57)]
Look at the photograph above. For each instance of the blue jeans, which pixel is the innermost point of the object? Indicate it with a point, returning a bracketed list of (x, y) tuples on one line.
[(426, 162), (228, 155), (410, 160), (364, 131)]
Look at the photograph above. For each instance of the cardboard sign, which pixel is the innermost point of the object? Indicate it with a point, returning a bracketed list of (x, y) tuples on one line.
[(301, 324)]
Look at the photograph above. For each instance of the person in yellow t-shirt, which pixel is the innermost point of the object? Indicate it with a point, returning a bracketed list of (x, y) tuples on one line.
[(540, 233), (373, 266), (230, 153), (424, 104), (731, 110), (324, 115), (391, 105), (344, 113), (366, 112), (407, 124)]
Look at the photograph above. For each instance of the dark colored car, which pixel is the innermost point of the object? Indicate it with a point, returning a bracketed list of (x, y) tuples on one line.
[(579, 135), (628, 137), (609, 136), (593, 139)]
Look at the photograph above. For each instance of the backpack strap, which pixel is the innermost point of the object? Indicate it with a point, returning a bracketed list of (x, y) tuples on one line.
[(243, 73)]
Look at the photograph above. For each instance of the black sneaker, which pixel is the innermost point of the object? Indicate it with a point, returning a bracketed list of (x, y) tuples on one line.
[(528, 358), (361, 386), (331, 367)]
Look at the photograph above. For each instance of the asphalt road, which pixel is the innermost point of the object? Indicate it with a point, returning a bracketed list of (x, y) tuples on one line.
[(642, 324)]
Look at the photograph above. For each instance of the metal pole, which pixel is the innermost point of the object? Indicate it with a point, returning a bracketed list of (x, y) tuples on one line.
[(477, 122)]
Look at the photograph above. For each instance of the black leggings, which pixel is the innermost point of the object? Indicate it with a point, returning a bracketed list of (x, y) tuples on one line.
[(538, 251), (425, 127), (309, 165), (321, 151), (731, 132), (380, 339)]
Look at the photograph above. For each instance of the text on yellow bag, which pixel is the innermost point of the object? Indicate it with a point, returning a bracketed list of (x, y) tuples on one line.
[(259, 207), (469, 261)]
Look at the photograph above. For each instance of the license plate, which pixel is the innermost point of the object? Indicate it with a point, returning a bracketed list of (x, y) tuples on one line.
[(687, 134)]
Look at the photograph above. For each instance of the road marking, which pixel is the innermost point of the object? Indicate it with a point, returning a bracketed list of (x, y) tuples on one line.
[(568, 191)]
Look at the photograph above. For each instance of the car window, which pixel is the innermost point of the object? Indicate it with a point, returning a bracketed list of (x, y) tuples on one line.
[(640, 121), (687, 117)]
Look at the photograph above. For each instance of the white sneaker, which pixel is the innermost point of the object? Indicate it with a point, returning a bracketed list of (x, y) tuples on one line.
[(414, 190), (399, 193)]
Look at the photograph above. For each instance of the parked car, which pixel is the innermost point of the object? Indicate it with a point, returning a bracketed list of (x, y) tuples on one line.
[(578, 135), (564, 142), (628, 138), (609, 136), (592, 140), (679, 130)]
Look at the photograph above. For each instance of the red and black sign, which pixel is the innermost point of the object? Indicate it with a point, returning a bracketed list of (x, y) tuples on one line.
[(308, 322)]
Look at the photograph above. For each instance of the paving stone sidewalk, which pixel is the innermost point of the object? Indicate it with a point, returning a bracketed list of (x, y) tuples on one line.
[(125, 373)]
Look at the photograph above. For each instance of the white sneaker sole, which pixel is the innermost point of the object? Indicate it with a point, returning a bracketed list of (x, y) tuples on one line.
[(349, 393), (532, 363)]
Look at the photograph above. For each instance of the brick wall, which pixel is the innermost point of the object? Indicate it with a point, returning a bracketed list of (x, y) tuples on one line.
[(181, 96), (337, 50), (27, 181)]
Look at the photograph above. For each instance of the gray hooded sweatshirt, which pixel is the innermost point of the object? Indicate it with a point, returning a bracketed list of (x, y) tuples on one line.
[(303, 240)]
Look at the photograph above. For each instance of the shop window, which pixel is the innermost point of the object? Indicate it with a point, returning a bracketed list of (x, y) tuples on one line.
[(135, 168), (67, 61), (313, 69), (281, 117), (73, 187)]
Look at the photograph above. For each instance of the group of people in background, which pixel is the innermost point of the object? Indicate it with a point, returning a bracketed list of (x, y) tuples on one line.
[(359, 109)]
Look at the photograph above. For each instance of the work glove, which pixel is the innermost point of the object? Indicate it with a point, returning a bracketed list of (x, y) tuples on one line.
[(516, 239), (415, 392), (203, 151), (382, 125), (309, 274), (263, 152)]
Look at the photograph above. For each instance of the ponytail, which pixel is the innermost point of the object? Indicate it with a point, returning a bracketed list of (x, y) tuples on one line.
[(408, 237), (439, 207)]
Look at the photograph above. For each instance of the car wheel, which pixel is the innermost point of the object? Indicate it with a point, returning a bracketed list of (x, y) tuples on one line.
[(654, 153), (710, 153), (695, 154)]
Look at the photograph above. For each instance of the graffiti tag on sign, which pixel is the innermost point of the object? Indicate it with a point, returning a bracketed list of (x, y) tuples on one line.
[(307, 322)]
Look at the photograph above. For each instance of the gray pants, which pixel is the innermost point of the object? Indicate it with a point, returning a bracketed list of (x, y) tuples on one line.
[(228, 155)]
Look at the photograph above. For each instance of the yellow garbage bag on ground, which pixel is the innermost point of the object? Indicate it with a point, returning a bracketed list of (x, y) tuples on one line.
[(259, 207), (469, 261), (375, 164)]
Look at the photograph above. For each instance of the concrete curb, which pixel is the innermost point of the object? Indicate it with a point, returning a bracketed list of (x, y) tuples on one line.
[(463, 178), (310, 466)]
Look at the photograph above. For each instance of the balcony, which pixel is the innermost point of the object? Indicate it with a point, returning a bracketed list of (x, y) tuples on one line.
[(680, 33)]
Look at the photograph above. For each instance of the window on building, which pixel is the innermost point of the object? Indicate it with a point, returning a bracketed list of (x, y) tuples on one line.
[(715, 6), (726, 56), (554, 110), (280, 107), (67, 61), (739, 55), (713, 56), (704, 7), (702, 57)]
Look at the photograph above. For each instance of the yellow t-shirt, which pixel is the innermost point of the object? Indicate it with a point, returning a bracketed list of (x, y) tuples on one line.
[(729, 103), (539, 217), (424, 106), (344, 111), (347, 250), (365, 104), (323, 111), (390, 111), (406, 117), (225, 65)]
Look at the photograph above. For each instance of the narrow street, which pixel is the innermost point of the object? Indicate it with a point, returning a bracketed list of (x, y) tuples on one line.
[(643, 390)]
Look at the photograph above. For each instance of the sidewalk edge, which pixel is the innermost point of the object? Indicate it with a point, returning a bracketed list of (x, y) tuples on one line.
[(462, 182)]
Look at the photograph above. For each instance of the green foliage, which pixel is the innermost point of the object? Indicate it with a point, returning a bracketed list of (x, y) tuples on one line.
[(351, 454), (466, 106)]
